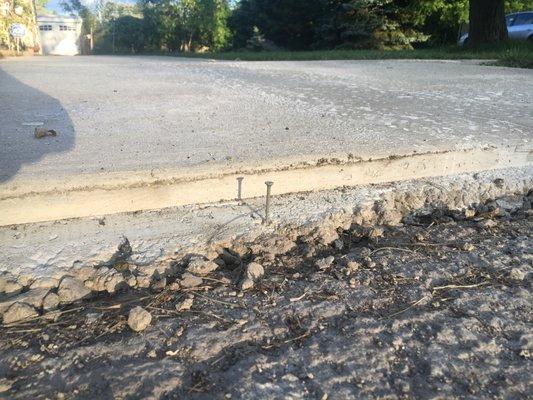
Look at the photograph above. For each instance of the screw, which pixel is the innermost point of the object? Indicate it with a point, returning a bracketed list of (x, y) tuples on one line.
[(239, 187), (267, 204)]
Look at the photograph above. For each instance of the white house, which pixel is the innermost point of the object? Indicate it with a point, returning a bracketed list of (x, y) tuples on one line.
[(60, 35)]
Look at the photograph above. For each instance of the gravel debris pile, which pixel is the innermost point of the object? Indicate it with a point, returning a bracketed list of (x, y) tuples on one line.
[(439, 305)]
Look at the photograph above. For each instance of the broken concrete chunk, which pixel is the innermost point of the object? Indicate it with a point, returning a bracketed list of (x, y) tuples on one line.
[(139, 319), (12, 287), (324, 263), (50, 302), (186, 304), (353, 265), (376, 232), (326, 234), (199, 266), (468, 247), (71, 290), (32, 297), (516, 274), (43, 132), (44, 283), (189, 280), (19, 312), (143, 281), (470, 213), (211, 254), (85, 273), (131, 281), (247, 284), (114, 282), (254, 271), (98, 281)]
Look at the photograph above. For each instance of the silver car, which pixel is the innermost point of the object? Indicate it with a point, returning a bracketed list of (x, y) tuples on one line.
[(519, 26)]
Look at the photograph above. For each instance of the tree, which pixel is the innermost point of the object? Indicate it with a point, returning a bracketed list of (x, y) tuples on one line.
[(40, 6), (128, 34), (87, 14), (185, 25), (289, 24), (212, 27), (487, 22)]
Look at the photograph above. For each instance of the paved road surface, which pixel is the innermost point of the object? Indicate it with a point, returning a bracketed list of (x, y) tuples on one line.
[(122, 114)]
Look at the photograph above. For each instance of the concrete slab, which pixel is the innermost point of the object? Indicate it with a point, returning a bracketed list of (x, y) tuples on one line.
[(53, 249), (135, 132)]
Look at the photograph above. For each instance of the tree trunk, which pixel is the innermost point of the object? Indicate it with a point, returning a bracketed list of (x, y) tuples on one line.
[(487, 22)]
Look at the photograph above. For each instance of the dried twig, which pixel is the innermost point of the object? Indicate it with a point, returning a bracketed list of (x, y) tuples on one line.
[(460, 286), (293, 299), (405, 309), (392, 248), (215, 280)]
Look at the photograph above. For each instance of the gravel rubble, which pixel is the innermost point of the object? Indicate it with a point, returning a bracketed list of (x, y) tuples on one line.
[(439, 306)]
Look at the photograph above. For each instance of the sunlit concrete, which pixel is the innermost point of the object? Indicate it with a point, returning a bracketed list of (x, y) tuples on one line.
[(136, 128)]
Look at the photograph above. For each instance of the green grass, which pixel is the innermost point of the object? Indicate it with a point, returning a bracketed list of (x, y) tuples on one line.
[(515, 54)]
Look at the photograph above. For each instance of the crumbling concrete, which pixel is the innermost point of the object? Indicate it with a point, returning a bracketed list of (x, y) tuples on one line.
[(438, 303), (190, 236)]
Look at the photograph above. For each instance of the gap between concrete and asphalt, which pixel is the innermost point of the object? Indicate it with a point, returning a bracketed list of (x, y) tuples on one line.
[(96, 195)]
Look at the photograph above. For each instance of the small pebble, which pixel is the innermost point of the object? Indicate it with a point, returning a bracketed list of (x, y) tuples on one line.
[(139, 319)]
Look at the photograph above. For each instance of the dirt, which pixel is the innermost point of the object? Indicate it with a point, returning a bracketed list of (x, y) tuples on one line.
[(439, 306)]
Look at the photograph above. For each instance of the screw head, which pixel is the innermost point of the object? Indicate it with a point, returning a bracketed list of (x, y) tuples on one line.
[(269, 183), (240, 178)]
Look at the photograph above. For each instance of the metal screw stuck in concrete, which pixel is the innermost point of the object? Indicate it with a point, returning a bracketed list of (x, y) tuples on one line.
[(267, 203), (239, 187)]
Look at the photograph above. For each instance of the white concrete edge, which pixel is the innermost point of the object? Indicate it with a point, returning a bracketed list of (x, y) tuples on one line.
[(96, 201)]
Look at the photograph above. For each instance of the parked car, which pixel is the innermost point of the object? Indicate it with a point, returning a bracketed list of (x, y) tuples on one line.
[(519, 26)]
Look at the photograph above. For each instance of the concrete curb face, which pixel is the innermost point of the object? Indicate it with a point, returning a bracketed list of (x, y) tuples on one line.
[(77, 247), (34, 203)]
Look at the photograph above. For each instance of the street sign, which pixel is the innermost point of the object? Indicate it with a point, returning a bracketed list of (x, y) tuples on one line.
[(17, 30)]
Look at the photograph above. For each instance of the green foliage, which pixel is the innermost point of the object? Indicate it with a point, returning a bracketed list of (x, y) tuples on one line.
[(258, 42), (172, 25), (129, 34), (185, 24), (87, 15), (290, 24), (511, 54), (269, 25), (40, 5), (319, 24), (27, 18), (377, 24)]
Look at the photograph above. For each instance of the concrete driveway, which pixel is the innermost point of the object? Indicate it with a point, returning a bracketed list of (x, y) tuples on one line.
[(139, 121)]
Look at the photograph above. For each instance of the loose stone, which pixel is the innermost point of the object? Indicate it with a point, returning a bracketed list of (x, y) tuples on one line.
[(139, 319)]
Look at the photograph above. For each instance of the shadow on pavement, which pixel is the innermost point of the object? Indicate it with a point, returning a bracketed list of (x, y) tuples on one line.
[(22, 107)]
